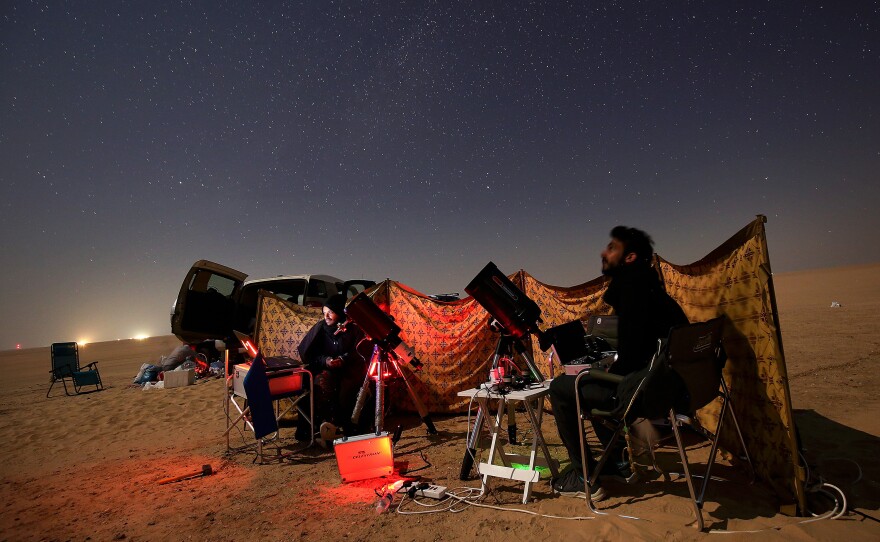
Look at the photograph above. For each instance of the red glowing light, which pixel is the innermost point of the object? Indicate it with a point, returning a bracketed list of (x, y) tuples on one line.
[(251, 349), (373, 371)]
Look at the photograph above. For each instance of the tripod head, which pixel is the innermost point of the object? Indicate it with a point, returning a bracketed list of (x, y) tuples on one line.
[(544, 340)]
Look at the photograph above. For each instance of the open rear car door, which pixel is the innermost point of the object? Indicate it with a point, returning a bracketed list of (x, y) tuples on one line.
[(206, 305), (352, 288)]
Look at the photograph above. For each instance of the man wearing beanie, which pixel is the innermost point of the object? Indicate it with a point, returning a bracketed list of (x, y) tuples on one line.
[(329, 350)]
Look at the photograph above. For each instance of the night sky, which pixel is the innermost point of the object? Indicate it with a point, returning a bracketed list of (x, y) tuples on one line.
[(416, 141)]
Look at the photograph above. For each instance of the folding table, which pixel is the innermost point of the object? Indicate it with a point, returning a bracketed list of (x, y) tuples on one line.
[(532, 399)]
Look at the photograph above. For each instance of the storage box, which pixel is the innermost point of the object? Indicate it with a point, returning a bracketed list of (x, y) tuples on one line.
[(176, 379), (364, 456), (281, 381)]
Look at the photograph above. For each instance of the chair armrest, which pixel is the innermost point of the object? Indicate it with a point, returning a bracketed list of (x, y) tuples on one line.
[(599, 374), (605, 376), (93, 366)]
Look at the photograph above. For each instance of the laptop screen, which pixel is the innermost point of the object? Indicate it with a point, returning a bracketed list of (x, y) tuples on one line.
[(604, 326), (568, 341)]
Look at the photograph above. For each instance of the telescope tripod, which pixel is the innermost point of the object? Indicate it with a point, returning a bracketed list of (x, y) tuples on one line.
[(504, 350), (382, 362)]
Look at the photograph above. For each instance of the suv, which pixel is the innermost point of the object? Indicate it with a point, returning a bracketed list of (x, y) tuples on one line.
[(214, 299)]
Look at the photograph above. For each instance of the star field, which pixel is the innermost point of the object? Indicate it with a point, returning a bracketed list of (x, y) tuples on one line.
[(416, 141)]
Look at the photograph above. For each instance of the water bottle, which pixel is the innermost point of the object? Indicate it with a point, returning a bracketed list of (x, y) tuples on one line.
[(384, 502)]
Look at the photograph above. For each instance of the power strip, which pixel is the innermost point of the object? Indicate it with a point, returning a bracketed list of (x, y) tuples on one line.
[(431, 492)]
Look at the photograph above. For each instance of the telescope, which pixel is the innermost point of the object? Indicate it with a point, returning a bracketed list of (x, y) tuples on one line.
[(515, 313), (515, 317), (388, 351), (380, 328)]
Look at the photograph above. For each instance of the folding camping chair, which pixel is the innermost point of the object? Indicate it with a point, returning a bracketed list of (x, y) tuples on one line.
[(65, 366), (254, 392), (695, 354)]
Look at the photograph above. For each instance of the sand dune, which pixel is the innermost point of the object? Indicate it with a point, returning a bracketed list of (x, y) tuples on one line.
[(87, 467)]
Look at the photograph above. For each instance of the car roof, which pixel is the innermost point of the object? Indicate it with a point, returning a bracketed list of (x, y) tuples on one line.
[(325, 278)]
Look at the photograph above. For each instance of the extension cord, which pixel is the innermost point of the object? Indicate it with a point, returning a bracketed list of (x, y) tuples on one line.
[(431, 492)]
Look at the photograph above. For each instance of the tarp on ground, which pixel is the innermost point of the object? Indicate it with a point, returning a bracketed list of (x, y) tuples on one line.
[(455, 343)]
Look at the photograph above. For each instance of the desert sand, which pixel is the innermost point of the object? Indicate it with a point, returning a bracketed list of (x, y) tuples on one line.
[(87, 467)]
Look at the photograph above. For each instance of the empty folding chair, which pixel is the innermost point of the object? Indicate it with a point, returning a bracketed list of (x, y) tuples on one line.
[(65, 367)]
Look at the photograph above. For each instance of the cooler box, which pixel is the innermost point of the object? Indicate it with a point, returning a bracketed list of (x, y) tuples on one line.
[(364, 456), (176, 379), (281, 381)]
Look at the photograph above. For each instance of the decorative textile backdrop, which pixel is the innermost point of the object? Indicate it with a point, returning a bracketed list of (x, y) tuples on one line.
[(281, 325), (452, 339), (454, 342), (735, 280)]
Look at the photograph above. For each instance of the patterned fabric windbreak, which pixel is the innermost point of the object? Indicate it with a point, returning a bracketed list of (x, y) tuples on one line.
[(455, 343)]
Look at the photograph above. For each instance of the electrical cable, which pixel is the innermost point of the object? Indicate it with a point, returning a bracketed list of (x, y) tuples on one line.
[(453, 499), (427, 464), (455, 503), (461, 498), (820, 487)]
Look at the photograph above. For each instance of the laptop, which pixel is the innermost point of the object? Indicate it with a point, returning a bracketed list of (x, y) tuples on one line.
[(272, 362), (573, 348), (568, 341), (605, 326), (283, 380)]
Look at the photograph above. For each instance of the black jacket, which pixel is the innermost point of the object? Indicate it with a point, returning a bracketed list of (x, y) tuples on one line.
[(321, 344), (645, 313)]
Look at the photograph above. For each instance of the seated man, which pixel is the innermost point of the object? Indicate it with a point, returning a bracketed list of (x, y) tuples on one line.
[(329, 350), (645, 313)]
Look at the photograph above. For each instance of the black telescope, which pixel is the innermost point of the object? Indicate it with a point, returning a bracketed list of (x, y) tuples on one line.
[(372, 320), (379, 327), (501, 298), (515, 316), (388, 348)]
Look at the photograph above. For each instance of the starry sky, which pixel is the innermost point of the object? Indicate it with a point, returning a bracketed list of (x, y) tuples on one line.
[(416, 141)]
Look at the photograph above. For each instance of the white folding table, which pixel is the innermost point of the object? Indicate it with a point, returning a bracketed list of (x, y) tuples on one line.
[(531, 398)]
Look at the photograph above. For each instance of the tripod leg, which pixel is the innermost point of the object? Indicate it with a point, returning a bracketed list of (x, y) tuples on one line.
[(511, 423), (361, 399), (380, 396), (530, 361), (467, 463), (365, 389), (420, 407)]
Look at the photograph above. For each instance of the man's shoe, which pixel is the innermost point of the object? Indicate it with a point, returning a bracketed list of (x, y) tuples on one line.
[(328, 433), (571, 484), (619, 471)]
